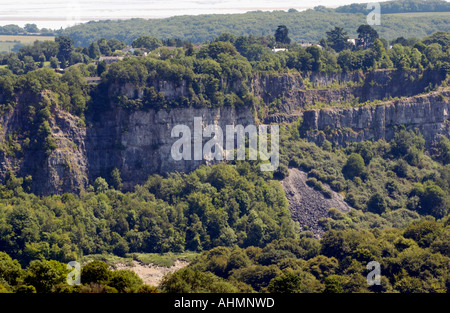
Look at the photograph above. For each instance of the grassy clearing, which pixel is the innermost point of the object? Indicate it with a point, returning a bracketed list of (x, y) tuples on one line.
[(7, 42), (25, 39), (108, 258), (165, 260)]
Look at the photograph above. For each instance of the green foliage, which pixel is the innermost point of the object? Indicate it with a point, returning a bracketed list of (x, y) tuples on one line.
[(188, 281), (376, 204), (389, 7), (337, 39), (11, 273), (177, 213), (147, 42), (116, 180), (354, 167), (96, 272), (306, 26), (45, 275), (125, 281), (100, 185)]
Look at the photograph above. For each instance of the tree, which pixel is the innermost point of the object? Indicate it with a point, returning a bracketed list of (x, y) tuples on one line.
[(94, 50), (14, 64), (49, 49), (31, 28), (100, 185), (286, 283), (10, 270), (125, 281), (95, 272), (54, 63), (334, 284), (44, 275), (104, 47), (441, 149), (376, 204), (337, 39), (115, 44), (65, 48), (366, 36), (147, 42), (116, 180), (434, 201), (189, 281), (281, 35), (101, 68), (354, 167)]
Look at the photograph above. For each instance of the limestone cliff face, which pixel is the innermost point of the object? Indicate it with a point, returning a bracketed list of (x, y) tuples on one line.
[(290, 94), (428, 114), (139, 143)]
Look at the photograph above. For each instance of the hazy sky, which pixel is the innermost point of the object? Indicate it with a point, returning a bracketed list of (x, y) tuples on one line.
[(62, 13)]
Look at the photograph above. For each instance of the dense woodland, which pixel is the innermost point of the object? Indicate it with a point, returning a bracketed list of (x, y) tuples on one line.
[(307, 26), (239, 218), (233, 214)]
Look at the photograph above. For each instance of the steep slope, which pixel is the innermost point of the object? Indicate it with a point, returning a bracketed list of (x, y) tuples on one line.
[(308, 205)]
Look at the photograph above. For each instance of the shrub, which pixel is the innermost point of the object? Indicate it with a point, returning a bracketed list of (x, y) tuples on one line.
[(95, 272), (355, 167), (376, 204)]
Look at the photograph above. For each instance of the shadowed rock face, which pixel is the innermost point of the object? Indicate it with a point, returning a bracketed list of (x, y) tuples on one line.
[(142, 141), (308, 205), (138, 144)]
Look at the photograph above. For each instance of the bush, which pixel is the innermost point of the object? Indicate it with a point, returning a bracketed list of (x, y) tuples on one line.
[(95, 272), (125, 281), (355, 167), (376, 204)]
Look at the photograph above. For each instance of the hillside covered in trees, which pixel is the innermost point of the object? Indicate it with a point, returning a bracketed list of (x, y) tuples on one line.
[(235, 216), (305, 26)]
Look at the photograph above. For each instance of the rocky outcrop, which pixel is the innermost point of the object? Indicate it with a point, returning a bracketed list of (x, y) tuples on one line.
[(428, 114)]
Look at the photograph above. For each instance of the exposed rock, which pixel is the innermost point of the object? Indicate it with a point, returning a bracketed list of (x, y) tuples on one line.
[(139, 143), (308, 205), (429, 114)]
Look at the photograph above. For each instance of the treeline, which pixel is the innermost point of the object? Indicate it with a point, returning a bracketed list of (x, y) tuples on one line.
[(411, 260), (28, 29), (222, 205), (405, 6), (42, 276), (305, 26), (216, 74)]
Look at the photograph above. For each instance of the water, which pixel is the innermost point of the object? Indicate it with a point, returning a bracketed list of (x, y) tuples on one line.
[(55, 14)]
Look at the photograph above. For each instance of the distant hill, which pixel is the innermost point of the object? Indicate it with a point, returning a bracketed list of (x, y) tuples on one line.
[(308, 26), (404, 6)]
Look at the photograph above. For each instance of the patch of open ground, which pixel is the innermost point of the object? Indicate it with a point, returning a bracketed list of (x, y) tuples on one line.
[(151, 274), (308, 205)]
